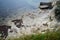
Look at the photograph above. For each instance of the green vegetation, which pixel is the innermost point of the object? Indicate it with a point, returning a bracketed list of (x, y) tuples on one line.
[(57, 11), (45, 36)]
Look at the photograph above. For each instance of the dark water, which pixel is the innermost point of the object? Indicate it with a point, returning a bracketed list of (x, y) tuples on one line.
[(9, 6)]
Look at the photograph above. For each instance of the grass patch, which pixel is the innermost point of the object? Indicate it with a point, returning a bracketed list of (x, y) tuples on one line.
[(45, 36)]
